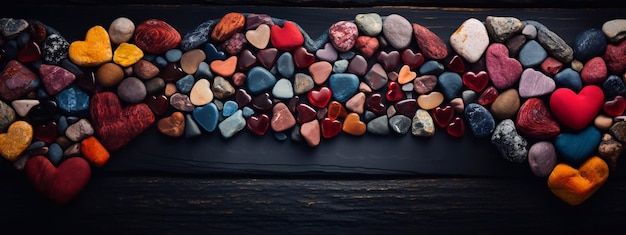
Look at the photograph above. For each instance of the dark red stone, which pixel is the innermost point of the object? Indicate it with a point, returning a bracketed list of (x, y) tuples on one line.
[(30, 52), (594, 72), (394, 92), (239, 78), (330, 128), (258, 125), (267, 57), (156, 36), (302, 58), (615, 107), (456, 64), (44, 112), (246, 60), (406, 107), (615, 57), (320, 98), (389, 61), (456, 128), (431, 45), (293, 104), (443, 116), (262, 102), (374, 103), (172, 72), (47, 132), (514, 44), (159, 104), (86, 81), (16, 80), (39, 33), (476, 81), (412, 59), (534, 120), (305, 114), (488, 96), (235, 44), (367, 46), (242, 97), (551, 66)]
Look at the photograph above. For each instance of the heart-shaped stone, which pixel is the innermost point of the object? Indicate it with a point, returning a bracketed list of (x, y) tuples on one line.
[(30, 52), (267, 57), (336, 110), (258, 125), (330, 128), (430, 101), (282, 118), (456, 64), (212, 53), (615, 107), (456, 128), (406, 75), (394, 92), (328, 53), (246, 60), (412, 59), (262, 102), (577, 147), (60, 184), (206, 116), (443, 116), (353, 125), (319, 98), (302, 58), (94, 51), (224, 68), (503, 70), (535, 121), (476, 81), (574, 186), (259, 37), (115, 126), (374, 103), (16, 140), (286, 38), (320, 71), (534, 84), (173, 125), (576, 110), (389, 61)]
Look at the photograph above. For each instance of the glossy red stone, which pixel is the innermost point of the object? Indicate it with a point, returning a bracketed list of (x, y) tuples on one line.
[(394, 92), (615, 107), (534, 120), (262, 102), (156, 36), (456, 128), (406, 107), (30, 52), (476, 81), (246, 60), (302, 58), (258, 124), (330, 128), (86, 81), (159, 104), (47, 132), (267, 57), (443, 116), (172, 72), (374, 103), (305, 114), (293, 104), (456, 64), (389, 61), (336, 110), (488, 96), (320, 98), (412, 59)]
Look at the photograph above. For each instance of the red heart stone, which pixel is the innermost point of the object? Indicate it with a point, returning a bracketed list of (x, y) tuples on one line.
[(615, 107), (476, 81), (330, 128), (394, 92), (576, 110), (305, 114), (320, 98), (488, 96), (535, 121), (412, 59), (302, 58), (456, 64), (60, 184), (286, 38), (30, 52), (456, 128), (115, 126), (374, 103), (258, 125), (389, 61), (443, 116)]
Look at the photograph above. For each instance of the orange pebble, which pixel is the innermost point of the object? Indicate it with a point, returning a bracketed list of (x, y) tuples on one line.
[(94, 151), (353, 125), (336, 110), (225, 68), (406, 75)]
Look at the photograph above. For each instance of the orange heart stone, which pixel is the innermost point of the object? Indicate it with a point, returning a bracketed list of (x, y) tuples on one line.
[(430, 101), (574, 186), (16, 140), (224, 68), (95, 50), (353, 125), (406, 75), (174, 125)]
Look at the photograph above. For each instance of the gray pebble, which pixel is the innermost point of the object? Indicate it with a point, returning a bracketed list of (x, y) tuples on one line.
[(511, 145)]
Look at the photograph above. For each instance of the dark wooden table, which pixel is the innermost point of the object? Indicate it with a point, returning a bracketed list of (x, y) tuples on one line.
[(140, 191)]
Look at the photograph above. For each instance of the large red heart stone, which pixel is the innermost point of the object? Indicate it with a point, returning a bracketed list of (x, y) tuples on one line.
[(60, 184), (576, 110), (115, 126), (286, 38)]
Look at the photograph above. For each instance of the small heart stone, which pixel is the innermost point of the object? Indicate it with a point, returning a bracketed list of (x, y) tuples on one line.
[(476, 81), (330, 128), (259, 37), (258, 125), (534, 120), (353, 125), (615, 107), (443, 116), (13, 143), (173, 126)]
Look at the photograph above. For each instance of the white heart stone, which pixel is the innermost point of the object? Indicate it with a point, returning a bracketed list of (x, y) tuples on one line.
[(259, 37), (470, 40), (201, 93)]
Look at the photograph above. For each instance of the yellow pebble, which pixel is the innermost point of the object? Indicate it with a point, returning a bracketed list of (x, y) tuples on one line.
[(16, 140), (94, 51), (127, 54)]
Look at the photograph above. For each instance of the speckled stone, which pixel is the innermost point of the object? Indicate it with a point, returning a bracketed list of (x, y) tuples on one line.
[(371, 24), (400, 124), (343, 35), (422, 124), (502, 28), (7, 116), (398, 31), (480, 120), (470, 40), (512, 146)]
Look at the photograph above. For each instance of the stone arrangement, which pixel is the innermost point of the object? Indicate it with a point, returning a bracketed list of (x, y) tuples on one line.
[(64, 106)]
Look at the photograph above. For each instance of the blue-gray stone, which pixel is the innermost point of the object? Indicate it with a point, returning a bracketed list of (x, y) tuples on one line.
[(400, 124), (431, 67), (248, 112), (379, 125), (479, 119), (55, 153), (149, 57), (369, 116), (230, 107), (532, 54), (259, 79), (212, 53), (42, 94), (285, 65), (160, 62), (218, 104), (204, 71), (62, 124), (22, 38), (314, 45), (73, 100), (36, 145), (283, 89), (206, 116), (198, 36), (54, 49), (191, 128), (588, 44), (233, 124), (280, 136), (553, 43), (612, 87), (343, 86), (450, 84), (348, 55), (340, 66), (185, 84), (568, 78), (510, 144), (173, 55)]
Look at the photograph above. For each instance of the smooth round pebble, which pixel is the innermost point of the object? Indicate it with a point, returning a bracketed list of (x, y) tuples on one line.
[(542, 158), (132, 90), (121, 30)]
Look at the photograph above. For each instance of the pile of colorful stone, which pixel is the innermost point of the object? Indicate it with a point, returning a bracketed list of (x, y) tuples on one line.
[(65, 106)]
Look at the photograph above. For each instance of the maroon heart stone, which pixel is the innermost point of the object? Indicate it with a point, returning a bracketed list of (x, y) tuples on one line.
[(302, 58), (374, 103), (262, 102), (330, 128), (246, 60), (534, 120), (242, 97), (412, 59), (615, 107), (305, 114), (258, 125), (267, 57), (456, 128), (443, 116), (476, 81), (389, 61)]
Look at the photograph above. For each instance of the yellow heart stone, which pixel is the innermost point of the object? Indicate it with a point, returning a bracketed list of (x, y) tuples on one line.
[(259, 37), (574, 186), (94, 51), (16, 140), (127, 54)]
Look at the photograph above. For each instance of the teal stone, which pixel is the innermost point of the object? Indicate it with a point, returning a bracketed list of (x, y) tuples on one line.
[(480, 120), (283, 89), (280, 136), (160, 62), (207, 116), (173, 55), (578, 147), (285, 65), (185, 84), (450, 84), (259, 80), (233, 124), (230, 107), (343, 86), (73, 100), (340, 66), (62, 124), (191, 127), (532, 54), (204, 71), (248, 112), (431, 67)]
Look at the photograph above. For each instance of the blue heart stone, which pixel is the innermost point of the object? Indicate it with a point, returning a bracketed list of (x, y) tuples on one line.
[(212, 53), (588, 44), (207, 116), (431, 67), (343, 86), (480, 121), (73, 100), (613, 86), (577, 147), (259, 79), (569, 78), (450, 84), (532, 54), (285, 65)]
